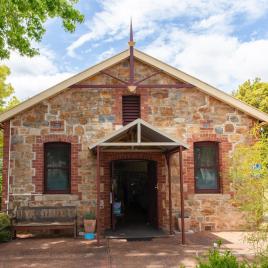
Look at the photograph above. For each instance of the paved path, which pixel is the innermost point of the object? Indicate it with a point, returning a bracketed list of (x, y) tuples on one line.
[(160, 252)]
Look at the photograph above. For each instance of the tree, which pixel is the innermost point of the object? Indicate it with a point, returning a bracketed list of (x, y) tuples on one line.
[(249, 173), (7, 101), (249, 169), (254, 93), (22, 22), (7, 97)]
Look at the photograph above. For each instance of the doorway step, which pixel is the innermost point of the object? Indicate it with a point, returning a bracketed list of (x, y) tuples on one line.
[(136, 232)]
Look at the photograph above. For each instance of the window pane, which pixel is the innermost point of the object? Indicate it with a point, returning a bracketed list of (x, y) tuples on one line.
[(206, 166), (57, 156), (206, 179), (57, 179), (205, 156)]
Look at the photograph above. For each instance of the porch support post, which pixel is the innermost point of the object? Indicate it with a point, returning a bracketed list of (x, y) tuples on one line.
[(98, 195), (182, 199), (167, 155)]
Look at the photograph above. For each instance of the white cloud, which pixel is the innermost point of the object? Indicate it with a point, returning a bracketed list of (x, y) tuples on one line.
[(205, 46), (30, 76), (222, 61), (113, 19), (106, 54)]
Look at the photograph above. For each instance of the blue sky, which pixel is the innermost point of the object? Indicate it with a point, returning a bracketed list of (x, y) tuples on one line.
[(221, 42)]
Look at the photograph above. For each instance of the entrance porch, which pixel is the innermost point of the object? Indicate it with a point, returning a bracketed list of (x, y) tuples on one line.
[(136, 141)]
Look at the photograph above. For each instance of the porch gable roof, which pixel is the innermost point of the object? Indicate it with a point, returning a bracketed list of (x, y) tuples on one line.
[(137, 135)]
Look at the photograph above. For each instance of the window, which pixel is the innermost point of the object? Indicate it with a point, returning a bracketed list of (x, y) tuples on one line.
[(130, 108), (57, 167), (206, 162)]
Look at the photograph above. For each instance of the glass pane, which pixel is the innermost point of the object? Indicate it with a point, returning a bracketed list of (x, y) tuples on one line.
[(57, 179), (206, 178), (57, 156), (205, 156)]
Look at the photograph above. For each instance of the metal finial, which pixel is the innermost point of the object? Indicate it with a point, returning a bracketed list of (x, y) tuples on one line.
[(131, 40)]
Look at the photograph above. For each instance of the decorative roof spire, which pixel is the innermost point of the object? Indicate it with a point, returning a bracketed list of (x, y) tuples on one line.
[(131, 86), (131, 40)]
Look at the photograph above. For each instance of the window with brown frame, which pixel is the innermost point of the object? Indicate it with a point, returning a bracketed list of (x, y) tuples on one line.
[(57, 167), (130, 108), (206, 167)]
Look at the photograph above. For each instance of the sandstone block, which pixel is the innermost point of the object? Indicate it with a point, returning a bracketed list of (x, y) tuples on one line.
[(79, 130), (229, 128)]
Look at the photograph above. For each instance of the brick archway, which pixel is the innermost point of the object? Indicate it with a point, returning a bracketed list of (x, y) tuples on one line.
[(105, 180)]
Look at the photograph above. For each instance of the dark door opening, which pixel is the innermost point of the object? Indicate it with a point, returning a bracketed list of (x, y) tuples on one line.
[(134, 194)]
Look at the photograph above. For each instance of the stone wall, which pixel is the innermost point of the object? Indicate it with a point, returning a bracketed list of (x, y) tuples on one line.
[(83, 116)]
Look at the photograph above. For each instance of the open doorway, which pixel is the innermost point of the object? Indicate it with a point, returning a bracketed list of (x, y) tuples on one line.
[(134, 194)]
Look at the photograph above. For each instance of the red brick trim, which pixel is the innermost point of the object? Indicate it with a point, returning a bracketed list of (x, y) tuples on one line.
[(6, 137), (38, 163), (105, 160), (224, 148)]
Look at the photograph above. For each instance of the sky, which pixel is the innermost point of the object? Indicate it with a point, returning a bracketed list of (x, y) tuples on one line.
[(223, 42)]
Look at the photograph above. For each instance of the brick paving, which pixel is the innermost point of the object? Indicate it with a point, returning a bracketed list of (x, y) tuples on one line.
[(158, 253)]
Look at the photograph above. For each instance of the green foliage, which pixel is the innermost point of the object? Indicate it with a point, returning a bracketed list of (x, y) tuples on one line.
[(225, 259), (254, 93), (5, 233), (216, 259), (89, 215), (261, 262), (22, 22), (250, 184), (7, 98), (249, 174), (4, 220), (7, 101), (1, 180)]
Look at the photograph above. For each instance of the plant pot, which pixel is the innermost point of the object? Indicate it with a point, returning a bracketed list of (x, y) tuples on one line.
[(89, 226), (186, 224)]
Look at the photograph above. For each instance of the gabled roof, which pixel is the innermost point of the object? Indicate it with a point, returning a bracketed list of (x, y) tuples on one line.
[(139, 134), (202, 86)]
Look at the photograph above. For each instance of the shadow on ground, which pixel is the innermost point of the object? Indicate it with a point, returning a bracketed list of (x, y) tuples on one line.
[(159, 252)]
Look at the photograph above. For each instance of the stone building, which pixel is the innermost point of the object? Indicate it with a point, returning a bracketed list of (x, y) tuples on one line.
[(109, 139)]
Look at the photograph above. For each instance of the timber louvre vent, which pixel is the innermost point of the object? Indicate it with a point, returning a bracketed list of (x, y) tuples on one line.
[(130, 108)]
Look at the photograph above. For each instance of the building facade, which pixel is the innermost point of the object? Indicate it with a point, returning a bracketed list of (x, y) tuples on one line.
[(50, 145)]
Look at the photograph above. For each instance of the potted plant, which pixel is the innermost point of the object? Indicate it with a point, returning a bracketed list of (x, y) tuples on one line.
[(89, 222), (186, 222)]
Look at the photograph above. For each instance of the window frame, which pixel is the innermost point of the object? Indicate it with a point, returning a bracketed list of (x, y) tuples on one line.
[(48, 145), (214, 144)]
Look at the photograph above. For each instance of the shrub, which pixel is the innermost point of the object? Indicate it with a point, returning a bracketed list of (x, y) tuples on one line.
[(89, 216), (216, 259), (1, 180), (5, 231)]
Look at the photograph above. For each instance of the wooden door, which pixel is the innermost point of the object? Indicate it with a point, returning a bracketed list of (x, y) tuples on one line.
[(152, 193)]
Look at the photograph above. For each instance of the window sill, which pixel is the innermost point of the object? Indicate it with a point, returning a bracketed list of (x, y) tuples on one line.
[(218, 192), (57, 197), (57, 192)]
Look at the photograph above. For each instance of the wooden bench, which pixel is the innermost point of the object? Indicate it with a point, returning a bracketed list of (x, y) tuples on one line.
[(44, 218)]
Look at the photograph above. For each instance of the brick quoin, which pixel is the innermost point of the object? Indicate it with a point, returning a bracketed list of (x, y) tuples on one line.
[(105, 180), (38, 163), (6, 136)]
